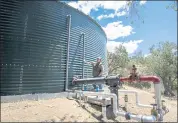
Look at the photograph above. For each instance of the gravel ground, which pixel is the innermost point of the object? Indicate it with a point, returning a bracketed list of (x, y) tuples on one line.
[(65, 110)]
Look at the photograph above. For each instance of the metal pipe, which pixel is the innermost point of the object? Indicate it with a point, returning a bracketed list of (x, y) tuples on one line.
[(158, 95), (94, 101), (104, 95), (90, 79), (140, 118), (104, 109), (137, 99), (153, 79), (97, 80), (21, 80), (99, 101), (68, 45), (84, 86), (121, 113), (143, 118), (83, 35), (114, 90), (104, 112), (157, 88)]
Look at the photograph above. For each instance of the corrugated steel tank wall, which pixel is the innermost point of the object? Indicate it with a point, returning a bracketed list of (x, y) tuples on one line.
[(34, 46)]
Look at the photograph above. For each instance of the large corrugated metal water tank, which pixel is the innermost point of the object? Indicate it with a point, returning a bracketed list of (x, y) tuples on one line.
[(33, 46)]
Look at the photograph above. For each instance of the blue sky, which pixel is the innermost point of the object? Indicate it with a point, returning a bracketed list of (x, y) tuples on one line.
[(160, 24)]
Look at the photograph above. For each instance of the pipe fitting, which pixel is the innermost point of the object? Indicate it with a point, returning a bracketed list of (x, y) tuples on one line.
[(148, 118), (137, 99), (104, 95), (127, 116), (140, 118)]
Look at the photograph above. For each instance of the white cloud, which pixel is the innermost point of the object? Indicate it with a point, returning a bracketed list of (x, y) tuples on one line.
[(131, 46), (117, 6), (146, 55), (105, 16), (175, 51), (117, 29), (112, 15), (142, 2), (87, 6), (113, 30)]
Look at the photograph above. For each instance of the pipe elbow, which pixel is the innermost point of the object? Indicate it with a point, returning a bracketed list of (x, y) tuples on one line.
[(127, 116), (113, 95), (156, 79), (153, 79)]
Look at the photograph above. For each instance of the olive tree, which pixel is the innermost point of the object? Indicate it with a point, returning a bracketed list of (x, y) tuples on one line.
[(118, 60), (163, 63)]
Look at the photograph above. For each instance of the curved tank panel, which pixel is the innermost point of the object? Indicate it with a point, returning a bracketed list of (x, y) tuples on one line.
[(34, 37)]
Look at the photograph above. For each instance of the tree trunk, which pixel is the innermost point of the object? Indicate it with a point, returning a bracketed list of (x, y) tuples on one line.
[(172, 83), (168, 91), (169, 82)]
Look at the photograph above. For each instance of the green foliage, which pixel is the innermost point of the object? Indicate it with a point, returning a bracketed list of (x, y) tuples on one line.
[(118, 60), (140, 85), (161, 62), (172, 5), (133, 7), (175, 85)]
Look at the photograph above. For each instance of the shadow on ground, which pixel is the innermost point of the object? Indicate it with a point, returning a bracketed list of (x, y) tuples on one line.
[(98, 108), (99, 118)]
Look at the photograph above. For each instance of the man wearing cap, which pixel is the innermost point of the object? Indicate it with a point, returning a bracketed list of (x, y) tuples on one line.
[(97, 70)]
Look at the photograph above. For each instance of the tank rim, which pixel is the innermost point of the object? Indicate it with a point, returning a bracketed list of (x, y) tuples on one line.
[(87, 16)]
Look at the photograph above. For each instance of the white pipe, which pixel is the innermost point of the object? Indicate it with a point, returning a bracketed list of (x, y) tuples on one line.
[(140, 118), (158, 95), (104, 112), (98, 101), (137, 100), (157, 88), (121, 113), (94, 101), (143, 118), (104, 95)]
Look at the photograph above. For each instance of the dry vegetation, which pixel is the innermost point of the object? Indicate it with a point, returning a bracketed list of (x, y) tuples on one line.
[(62, 109)]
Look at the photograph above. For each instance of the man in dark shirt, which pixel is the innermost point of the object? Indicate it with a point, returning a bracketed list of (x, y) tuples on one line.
[(133, 74), (97, 70)]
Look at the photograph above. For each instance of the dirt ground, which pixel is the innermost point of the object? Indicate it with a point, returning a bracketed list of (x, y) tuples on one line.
[(65, 110)]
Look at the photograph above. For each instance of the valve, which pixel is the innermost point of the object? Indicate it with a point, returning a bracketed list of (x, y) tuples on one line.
[(127, 116), (85, 87), (126, 100), (97, 88), (154, 111)]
